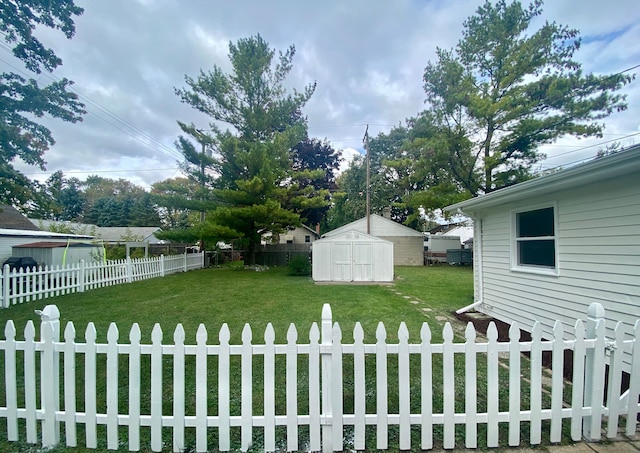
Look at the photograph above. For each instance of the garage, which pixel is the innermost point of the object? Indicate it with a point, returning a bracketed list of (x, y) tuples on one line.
[(352, 256)]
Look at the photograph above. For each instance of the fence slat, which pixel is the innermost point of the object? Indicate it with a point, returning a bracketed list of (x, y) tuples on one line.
[(493, 384), (404, 390), (557, 370), (470, 388), (134, 387), (336, 388), (514, 385), (90, 407), (634, 385), (223, 390), (201, 389), (156, 388), (70, 385), (448, 388), (359, 388), (178, 389), (577, 392), (112, 387), (11, 391), (314, 388), (382, 405), (30, 382), (615, 377), (292, 388), (426, 390), (535, 390), (269, 390)]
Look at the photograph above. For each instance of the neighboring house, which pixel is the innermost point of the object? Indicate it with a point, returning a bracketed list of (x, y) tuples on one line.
[(545, 249), (12, 219), (463, 230), (114, 235), (407, 242), (299, 235)]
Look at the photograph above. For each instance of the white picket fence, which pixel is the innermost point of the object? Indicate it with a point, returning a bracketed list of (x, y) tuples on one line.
[(28, 285), (326, 425)]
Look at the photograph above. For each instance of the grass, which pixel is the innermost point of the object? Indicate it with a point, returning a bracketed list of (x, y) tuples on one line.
[(236, 297)]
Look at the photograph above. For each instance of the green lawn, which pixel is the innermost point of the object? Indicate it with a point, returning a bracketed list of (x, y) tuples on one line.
[(236, 297)]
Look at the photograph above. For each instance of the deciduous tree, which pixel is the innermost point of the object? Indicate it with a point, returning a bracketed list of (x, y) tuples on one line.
[(24, 100)]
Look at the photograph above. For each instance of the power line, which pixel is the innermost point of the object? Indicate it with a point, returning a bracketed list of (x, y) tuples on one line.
[(170, 152)]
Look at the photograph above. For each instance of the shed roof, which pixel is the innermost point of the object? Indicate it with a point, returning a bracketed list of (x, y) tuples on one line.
[(51, 245), (613, 166), (379, 227)]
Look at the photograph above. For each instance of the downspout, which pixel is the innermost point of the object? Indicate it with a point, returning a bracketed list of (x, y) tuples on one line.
[(477, 259)]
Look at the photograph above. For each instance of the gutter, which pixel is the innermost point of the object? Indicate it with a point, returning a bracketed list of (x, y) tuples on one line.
[(477, 258)]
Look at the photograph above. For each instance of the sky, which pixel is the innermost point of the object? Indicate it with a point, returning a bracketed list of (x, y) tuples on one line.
[(366, 56)]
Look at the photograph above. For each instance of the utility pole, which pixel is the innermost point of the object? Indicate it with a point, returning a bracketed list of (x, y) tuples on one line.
[(368, 194)]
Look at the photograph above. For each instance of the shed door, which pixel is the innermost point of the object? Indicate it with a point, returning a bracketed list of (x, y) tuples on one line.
[(362, 262), (341, 261)]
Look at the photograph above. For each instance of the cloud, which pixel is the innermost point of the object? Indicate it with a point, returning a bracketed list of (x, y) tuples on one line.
[(367, 59)]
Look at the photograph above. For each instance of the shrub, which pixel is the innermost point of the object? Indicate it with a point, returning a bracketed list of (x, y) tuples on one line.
[(299, 265)]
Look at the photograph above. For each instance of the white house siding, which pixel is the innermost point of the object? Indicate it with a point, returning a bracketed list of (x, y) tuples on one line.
[(598, 240)]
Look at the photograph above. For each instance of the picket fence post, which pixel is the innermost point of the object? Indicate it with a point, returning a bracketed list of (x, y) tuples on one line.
[(161, 265), (50, 374), (594, 372), (129, 269), (185, 261), (325, 352), (5, 286), (81, 278)]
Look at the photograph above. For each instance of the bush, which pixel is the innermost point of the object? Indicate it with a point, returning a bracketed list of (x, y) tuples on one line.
[(299, 265)]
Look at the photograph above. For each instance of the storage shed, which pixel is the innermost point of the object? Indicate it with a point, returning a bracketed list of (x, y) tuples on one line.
[(546, 248), (407, 242), (352, 256), (48, 253)]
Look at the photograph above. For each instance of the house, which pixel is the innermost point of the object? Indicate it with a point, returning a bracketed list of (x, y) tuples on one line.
[(407, 242), (12, 219), (299, 235), (545, 249), (352, 256)]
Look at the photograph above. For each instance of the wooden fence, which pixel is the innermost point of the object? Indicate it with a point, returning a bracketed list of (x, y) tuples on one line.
[(28, 285), (133, 399)]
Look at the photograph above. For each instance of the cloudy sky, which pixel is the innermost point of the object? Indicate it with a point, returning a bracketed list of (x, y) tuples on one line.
[(367, 57)]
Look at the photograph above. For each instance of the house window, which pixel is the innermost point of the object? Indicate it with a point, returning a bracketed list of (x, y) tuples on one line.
[(307, 239), (535, 239)]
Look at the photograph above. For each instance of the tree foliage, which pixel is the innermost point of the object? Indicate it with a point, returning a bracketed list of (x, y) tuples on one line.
[(24, 100), (505, 90), (255, 186)]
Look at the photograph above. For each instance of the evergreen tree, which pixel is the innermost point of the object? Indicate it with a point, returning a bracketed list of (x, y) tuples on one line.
[(255, 186)]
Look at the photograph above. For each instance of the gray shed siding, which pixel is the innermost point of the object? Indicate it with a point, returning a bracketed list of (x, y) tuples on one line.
[(598, 242), (407, 250)]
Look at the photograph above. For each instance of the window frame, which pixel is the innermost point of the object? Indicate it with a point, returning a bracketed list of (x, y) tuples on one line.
[(516, 266)]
